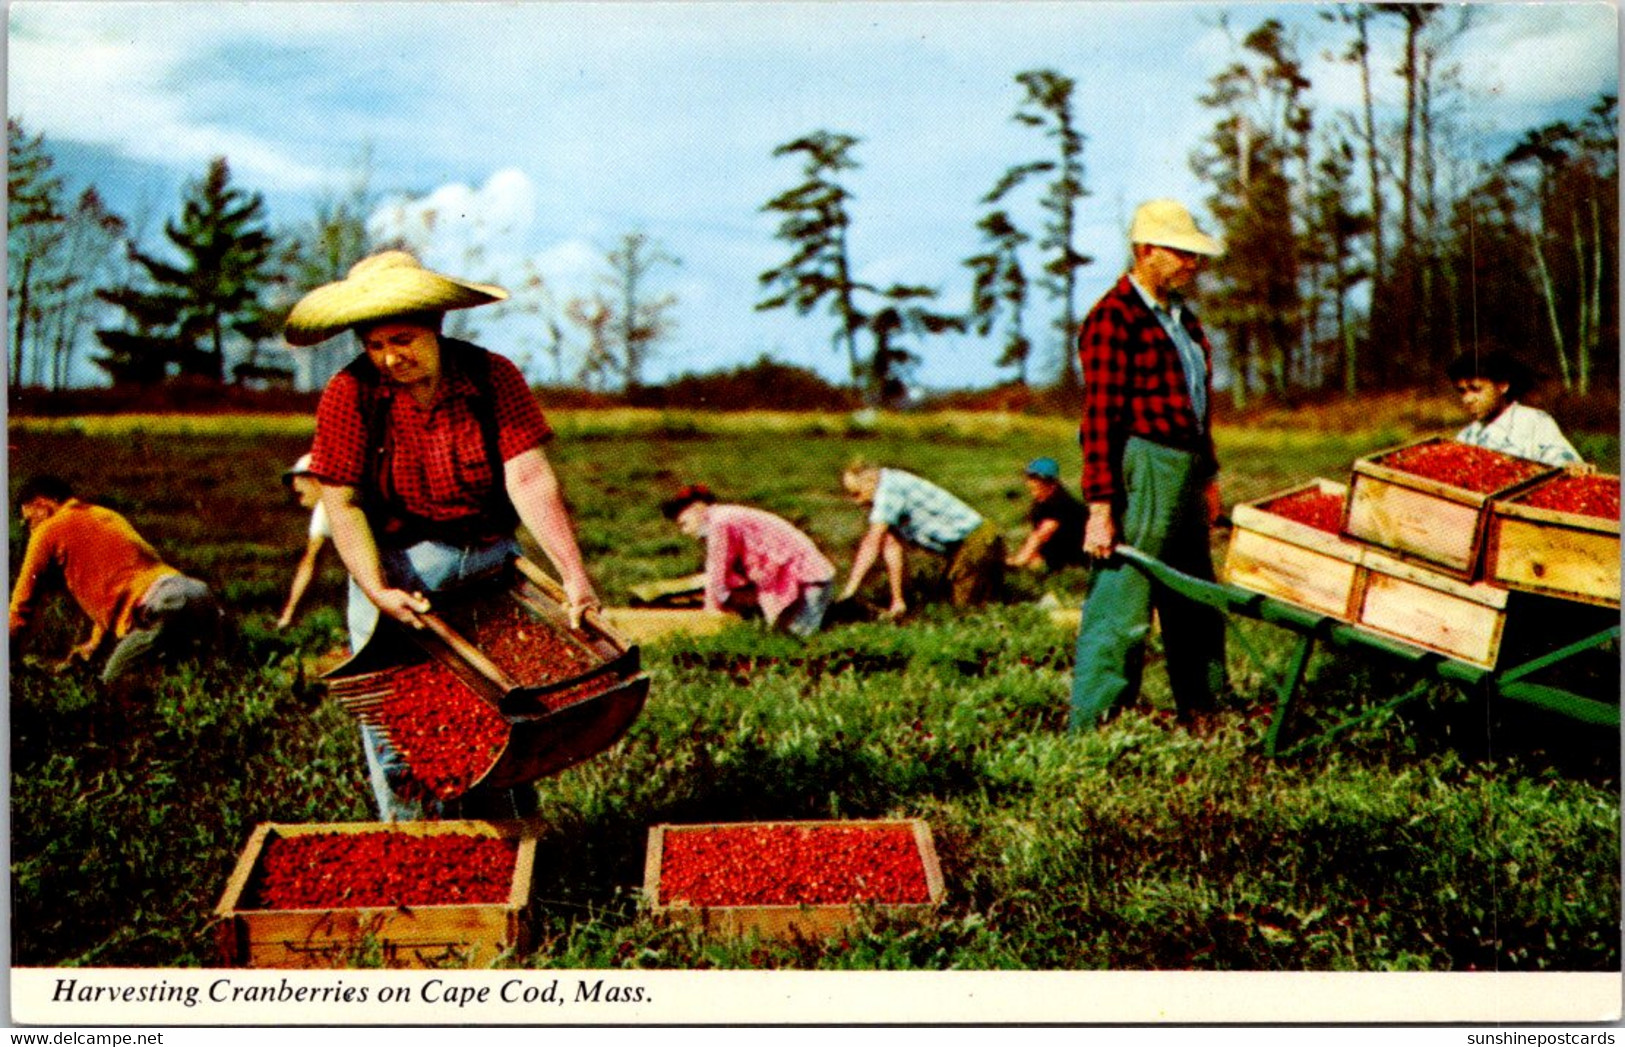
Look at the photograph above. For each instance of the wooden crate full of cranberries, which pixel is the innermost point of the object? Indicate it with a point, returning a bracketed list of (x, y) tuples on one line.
[(1429, 502), (1289, 545), (792, 878), (1559, 538), (423, 894)]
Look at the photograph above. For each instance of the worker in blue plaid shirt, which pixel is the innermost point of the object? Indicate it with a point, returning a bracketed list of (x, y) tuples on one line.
[(905, 510)]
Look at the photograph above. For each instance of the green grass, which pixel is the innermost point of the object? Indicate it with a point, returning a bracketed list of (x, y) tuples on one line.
[(1453, 837)]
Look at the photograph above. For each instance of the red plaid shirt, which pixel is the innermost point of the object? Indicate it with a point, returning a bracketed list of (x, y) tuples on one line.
[(1133, 385), (439, 468)]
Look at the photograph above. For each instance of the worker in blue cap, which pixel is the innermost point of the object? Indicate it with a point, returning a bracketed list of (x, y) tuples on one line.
[(1056, 539)]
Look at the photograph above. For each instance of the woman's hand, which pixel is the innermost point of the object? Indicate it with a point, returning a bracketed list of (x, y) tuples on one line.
[(402, 606), (579, 592)]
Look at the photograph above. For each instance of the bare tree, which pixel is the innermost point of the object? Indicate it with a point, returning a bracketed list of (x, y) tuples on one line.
[(34, 230), (639, 319), (595, 315), (86, 259)]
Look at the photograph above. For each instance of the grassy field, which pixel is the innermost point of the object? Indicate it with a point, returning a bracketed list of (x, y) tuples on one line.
[(1454, 837)]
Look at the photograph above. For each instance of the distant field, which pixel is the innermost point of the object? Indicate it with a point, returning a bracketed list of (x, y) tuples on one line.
[(1453, 838)]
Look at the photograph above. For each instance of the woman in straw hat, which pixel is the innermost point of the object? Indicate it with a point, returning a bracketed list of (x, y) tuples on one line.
[(429, 451), (1148, 469)]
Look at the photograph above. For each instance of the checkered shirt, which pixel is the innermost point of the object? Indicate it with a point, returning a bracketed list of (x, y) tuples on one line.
[(921, 512), (1134, 385), (439, 469)]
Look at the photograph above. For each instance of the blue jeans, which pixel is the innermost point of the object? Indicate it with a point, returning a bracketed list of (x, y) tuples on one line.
[(424, 567), (806, 615)]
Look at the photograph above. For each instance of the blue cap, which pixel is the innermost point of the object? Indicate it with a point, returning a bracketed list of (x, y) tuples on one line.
[(1044, 469)]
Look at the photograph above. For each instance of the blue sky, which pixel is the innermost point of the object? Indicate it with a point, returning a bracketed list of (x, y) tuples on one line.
[(539, 133)]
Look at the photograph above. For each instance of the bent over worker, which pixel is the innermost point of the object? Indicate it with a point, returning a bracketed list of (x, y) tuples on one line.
[(909, 510), (115, 577), (754, 558)]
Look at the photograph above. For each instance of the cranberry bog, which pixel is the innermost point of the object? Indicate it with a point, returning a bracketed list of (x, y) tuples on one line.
[(790, 879), (423, 894), (1455, 836)]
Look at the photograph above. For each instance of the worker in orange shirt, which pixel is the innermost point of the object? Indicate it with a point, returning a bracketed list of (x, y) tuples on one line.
[(118, 580)]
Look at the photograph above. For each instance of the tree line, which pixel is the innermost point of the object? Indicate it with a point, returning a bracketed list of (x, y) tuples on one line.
[(1360, 255), (1362, 252), (204, 307)]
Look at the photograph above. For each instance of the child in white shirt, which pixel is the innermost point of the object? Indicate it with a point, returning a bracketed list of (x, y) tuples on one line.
[(1489, 385)]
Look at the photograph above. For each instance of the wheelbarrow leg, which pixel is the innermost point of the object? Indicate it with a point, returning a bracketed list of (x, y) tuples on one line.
[(1286, 690)]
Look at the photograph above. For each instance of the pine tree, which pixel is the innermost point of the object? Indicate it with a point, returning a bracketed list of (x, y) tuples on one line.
[(820, 269), (1047, 107), (815, 225), (182, 318), (999, 289)]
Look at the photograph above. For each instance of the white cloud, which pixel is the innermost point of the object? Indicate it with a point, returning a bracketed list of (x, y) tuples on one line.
[(459, 225), (1544, 60), (111, 75)]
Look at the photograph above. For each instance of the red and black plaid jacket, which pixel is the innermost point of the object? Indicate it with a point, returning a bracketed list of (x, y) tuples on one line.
[(1133, 385)]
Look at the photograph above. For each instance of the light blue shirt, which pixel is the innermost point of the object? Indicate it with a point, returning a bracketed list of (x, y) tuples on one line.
[(921, 512), (1191, 360)]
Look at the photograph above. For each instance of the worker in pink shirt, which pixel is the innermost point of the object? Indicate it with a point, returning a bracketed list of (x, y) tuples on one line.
[(753, 557)]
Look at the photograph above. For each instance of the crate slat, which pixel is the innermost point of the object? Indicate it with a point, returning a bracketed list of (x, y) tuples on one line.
[(1432, 610)]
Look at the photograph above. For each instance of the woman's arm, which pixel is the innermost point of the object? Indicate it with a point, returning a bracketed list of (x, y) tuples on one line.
[(534, 489), (353, 538)]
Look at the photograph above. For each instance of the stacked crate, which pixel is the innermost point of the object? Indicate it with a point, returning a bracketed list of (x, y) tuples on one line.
[(1559, 538), (1429, 559)]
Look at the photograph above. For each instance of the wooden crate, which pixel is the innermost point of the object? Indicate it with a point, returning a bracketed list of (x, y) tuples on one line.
[(646, 624), (459, 935), (1293, 561), (1422, 520), (786, 921), (1553, 553), (1432, 610)]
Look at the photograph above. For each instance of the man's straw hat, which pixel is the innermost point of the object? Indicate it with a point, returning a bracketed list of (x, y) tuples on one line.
[(392, 283), (1166, 223)]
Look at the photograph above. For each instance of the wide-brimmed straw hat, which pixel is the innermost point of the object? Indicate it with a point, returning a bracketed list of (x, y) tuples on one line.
[(1166, 223), (392, 283)]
